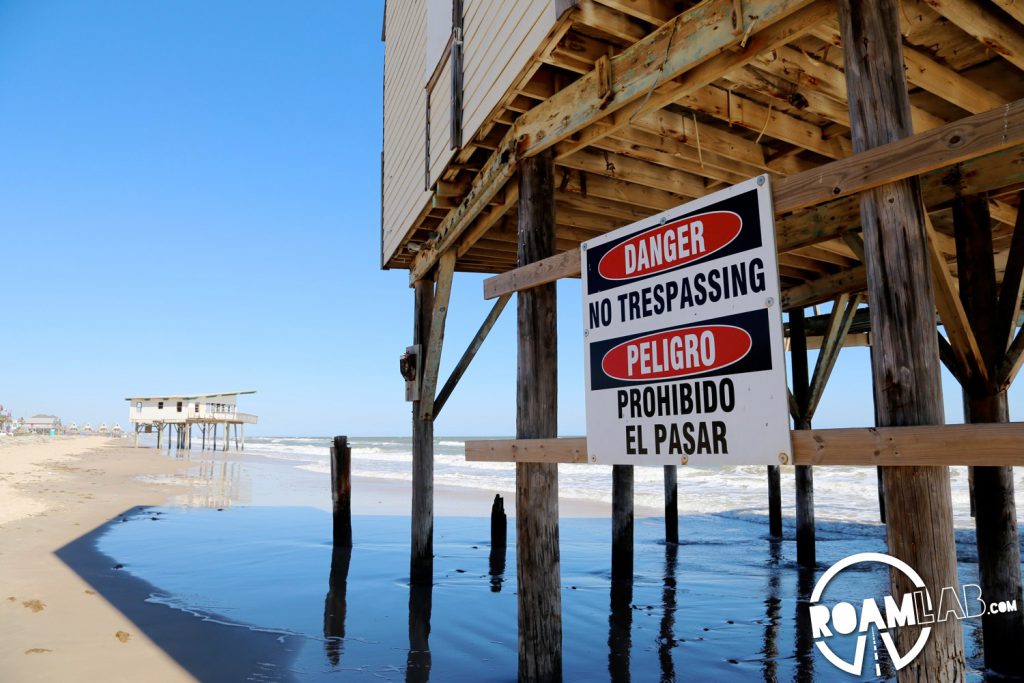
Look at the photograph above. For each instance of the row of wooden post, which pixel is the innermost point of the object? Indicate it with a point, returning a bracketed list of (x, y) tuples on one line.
[(906, 381), (182, 435)]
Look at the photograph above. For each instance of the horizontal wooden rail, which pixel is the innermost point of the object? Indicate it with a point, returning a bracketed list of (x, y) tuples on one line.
[(970, 444), (968, 138)]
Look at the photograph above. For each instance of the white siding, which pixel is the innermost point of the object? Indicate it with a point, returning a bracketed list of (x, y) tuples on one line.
[(500, 39), (404, 120), (441, 123)]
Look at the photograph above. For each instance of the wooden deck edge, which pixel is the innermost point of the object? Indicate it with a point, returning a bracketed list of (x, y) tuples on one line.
[(937, 445)]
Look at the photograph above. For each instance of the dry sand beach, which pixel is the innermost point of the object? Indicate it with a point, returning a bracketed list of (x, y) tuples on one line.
[(53, 625)]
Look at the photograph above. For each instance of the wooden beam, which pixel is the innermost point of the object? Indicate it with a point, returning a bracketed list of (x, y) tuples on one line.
[(925, 72), (432, 361), (1010, 366), (487, 220), (1015, 8), (996, 444), (470, 353), (956, 142), (421, 555), (843, 311), (968, 138), (906, 376), (537, 563), (951, 311), (634, 75), (1013, 280), (990, 29), (814, 291), (686, 84)]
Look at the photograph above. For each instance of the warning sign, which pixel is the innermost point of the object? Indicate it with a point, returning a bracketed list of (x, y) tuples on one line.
[(683, 336)]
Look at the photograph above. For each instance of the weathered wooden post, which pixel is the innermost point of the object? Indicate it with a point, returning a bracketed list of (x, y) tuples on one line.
[(421, 560), (622, 522), (537, 555), (805, 551), (774, 502), (671, 505), (159, 435), (499, 523), (991, 315), (905, 364), (341, 491)]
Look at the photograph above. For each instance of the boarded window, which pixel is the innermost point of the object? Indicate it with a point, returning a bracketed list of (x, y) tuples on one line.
[(179, 406), (160, 405)]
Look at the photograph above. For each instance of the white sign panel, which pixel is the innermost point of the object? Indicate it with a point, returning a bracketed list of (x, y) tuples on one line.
[(683, 336)]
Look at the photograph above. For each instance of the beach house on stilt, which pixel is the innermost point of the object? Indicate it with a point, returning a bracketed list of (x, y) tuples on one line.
[(892, 132), (209, 413)]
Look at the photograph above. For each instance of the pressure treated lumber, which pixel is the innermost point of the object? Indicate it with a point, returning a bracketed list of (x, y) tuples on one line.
[(439, 314), (622, 523), (995, 510), (469, 354), (905, 359), (671, 505), (634, 73), (341, 492), (537, 554), (969, 138), (894, 447), (804, 474), (421, 560)]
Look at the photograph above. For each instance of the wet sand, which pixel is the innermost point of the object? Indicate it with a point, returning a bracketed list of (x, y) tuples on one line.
[(53, 623)]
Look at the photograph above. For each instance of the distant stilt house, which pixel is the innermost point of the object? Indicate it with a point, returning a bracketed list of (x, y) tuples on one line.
[(211, 413), (41, 424)]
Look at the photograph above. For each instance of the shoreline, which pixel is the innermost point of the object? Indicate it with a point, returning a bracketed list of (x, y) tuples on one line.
[(59, 494)]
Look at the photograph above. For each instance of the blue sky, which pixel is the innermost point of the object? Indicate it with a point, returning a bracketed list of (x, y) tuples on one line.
[(189, 202)]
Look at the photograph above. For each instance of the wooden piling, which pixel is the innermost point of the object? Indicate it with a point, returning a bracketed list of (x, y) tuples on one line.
[(341, 491), (805, 551), (994, 508), (774, 502), (622, 522), (671, 505), (537, 554), (159, 435), (421, 560), (499, 523), (905, 365)]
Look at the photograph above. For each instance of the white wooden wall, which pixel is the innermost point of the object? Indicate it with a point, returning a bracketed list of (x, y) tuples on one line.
[(500, 39)]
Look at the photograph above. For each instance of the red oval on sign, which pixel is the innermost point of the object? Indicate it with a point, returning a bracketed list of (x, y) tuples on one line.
[(668, 246), (677, 353)]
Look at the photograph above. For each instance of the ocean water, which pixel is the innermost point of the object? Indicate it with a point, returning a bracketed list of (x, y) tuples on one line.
[(729, 605), (243, 584), (840, 493)]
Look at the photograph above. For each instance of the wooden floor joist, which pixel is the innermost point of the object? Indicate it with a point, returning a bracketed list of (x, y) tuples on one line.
[(947, 445), (970, 138)]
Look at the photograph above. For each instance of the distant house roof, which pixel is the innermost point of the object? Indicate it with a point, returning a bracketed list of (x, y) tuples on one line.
[(41, 419), (188, 397)]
